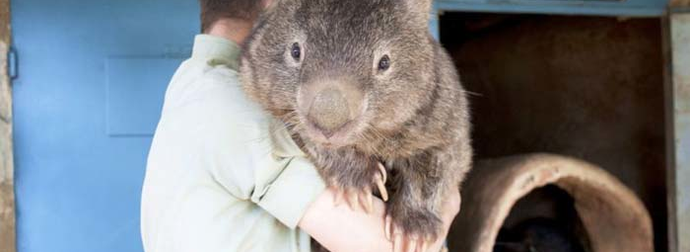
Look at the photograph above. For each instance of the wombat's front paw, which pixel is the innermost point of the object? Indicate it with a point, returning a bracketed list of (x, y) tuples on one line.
[(361, 196), (412, 230)]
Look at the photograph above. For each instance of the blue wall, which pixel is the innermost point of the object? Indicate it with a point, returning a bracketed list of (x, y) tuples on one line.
[(84, 111)]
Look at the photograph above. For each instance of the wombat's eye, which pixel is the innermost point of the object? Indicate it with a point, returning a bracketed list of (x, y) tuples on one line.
[(296, 51), (384, 63)]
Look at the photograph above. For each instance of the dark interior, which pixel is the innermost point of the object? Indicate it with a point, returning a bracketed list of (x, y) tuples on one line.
[(587, 87), (543, 220)]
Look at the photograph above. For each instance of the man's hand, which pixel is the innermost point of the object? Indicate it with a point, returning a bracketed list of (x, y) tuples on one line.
[(341, 229)]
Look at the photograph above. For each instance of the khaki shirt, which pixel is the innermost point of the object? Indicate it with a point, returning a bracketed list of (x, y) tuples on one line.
[(222, 175)]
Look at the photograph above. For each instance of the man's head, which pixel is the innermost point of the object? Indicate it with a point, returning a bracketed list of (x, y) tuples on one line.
[(243, 10)]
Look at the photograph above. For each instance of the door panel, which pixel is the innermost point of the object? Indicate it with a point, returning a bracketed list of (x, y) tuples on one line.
[(90, 88), (131, 107)]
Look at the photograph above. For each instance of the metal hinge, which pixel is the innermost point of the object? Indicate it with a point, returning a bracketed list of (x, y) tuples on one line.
[(13, 63)]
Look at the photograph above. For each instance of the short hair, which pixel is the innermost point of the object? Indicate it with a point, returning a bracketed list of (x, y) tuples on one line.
[(213, 10)]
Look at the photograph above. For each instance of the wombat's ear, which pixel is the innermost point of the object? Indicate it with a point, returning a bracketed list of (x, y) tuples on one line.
[(420, 8)]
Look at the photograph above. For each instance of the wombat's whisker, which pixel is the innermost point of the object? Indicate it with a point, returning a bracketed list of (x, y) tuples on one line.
[(377, 133), (454, 90)]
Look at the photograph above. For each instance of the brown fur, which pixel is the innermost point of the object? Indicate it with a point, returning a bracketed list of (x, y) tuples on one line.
[(416, 122)]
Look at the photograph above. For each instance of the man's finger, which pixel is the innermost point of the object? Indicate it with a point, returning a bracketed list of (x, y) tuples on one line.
[(411, 244), (398, 242)]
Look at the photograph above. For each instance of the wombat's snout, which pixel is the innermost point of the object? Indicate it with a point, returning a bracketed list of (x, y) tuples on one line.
[(330, 106), (329, 111)]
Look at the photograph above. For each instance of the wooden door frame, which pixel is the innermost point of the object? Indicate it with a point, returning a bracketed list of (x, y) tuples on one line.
[(7, 206), (677, 68)]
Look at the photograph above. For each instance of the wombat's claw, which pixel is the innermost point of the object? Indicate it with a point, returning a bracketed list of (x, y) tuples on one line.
[(404, 242), (363, 198), (380, 180), (355, 199)]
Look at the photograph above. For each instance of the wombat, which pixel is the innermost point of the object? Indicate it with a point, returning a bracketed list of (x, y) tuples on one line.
[(361, 83)]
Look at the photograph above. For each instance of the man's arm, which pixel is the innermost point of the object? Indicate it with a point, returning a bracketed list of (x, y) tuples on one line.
[(341, 229)]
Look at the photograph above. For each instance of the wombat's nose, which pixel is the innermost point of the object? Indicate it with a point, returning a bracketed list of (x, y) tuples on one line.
[(329, 111)]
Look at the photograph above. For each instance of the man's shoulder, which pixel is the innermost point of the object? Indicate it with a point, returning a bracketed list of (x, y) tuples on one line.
[(199, 83), (220, 74), (195, 74), (209, 95)]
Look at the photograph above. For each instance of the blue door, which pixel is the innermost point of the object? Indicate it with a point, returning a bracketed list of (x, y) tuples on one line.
[(92, 76)]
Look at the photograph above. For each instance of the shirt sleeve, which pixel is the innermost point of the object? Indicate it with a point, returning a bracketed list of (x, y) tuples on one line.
[(251, 154), (287, 194), (270, 171)]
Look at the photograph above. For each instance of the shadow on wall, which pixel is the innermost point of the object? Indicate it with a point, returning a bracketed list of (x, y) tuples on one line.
[(587, 87)]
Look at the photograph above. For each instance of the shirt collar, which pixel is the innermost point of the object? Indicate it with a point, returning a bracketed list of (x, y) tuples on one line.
[(283, 145), (216, 51)]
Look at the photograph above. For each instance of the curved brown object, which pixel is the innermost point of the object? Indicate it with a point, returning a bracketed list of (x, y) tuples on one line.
[(614, 218)]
